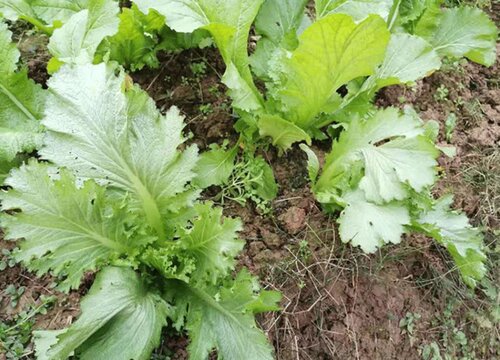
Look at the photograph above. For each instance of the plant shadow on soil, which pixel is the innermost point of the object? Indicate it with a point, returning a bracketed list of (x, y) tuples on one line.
[(338, 303)]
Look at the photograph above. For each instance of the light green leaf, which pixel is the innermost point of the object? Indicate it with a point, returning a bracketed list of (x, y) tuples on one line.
[(240, 91), (212, 242), (21, 104), (263, 183), (118, 137), (44, 339), (332, 52), (358, 9), (14, 9), (68, 230), (406, 157), (136, 43), (9, 55), (119, 315), (279, 19), (412, 10), (58, 10), (282, 132), (215, 166), (408, 59), (452, 230), (278, 22), (222, 318), (463, 31), (229, 23), (312, 162), (369, 225), (77, 40), (204, 250)]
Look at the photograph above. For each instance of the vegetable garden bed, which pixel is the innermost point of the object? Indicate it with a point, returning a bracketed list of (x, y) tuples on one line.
[(249, 179)]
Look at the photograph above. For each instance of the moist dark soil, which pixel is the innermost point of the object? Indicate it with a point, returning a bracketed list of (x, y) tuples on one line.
[(338, 303)]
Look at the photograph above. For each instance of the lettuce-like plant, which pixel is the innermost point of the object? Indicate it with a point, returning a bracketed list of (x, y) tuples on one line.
[(379, 173), (114, 196), (360, 45), (76, 28)]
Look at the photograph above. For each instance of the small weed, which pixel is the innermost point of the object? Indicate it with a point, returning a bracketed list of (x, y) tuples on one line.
[(252, 179), (442, 93), (407, 324), (7, 260), (431, 351), (199, 69), (214, 90), (16, 335), (304, 251), (473, 110), (206, 109), (449, 126), (14, 294)]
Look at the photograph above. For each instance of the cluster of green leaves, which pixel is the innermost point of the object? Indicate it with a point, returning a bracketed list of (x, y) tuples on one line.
[(113, 194), (328, 69), (15, 334), (380, 173), (94, 30), (247, 178), (363, 46)]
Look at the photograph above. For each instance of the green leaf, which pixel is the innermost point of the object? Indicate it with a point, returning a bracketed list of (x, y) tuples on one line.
[(118, 137), (119, 315), (408, 59), (412, 10), (358, 9), (369, 225), (215, 166), (263, 182), (137, 41), (212, 242), (21, 104), (278, 22), (77, 40), (58, 10), (463, 32), (464, 242), (229, 23), (9, 55), (240, 91), (312, 162), (204, 250), (282, 132), (395, 153), (222, 318), (67, 229), (14, 9), (332, 52)]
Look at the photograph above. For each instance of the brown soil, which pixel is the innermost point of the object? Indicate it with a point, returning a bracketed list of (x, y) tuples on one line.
[(338, 303)]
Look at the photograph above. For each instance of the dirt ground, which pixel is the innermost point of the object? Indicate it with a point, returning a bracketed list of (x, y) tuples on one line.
[(338, 303)]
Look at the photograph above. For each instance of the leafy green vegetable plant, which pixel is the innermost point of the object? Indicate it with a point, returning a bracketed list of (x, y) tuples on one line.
[(379, 173), (114, 196), (361, 46), (115, 189)]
